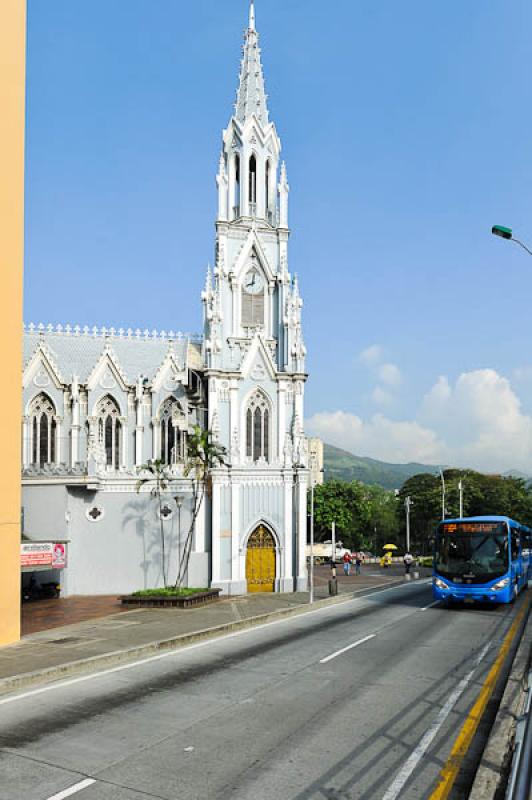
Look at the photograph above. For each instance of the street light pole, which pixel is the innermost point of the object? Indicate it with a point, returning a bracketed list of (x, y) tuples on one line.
[(311, 581), (408, 505), (461, 491), (442, 494)]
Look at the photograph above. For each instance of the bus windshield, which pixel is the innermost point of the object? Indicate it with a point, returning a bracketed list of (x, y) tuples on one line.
[(470, 553)]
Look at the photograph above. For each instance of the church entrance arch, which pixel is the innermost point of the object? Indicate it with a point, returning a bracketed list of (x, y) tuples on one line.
[(260, 561)]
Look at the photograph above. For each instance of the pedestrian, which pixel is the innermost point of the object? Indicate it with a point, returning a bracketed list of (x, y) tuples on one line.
[(347, 562), (358, 563), (408, 560)]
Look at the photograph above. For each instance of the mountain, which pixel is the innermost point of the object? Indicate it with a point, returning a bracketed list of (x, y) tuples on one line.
[(516, 473), (344, 466)]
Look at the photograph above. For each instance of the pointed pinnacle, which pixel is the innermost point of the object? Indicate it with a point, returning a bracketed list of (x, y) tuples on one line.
[(252, 16)]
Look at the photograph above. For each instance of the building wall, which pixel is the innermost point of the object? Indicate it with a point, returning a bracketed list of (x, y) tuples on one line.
[(120, 552), (12, 94)]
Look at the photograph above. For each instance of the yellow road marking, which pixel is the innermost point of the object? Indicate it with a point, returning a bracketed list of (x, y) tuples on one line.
[(469, 728)]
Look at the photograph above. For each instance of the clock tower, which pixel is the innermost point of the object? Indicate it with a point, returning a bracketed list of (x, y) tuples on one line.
[(254, 355)]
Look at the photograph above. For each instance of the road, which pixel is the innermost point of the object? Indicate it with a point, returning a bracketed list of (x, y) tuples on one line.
[(351, 701)]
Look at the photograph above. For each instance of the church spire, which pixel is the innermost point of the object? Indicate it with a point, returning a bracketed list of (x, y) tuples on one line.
[(251, 95)]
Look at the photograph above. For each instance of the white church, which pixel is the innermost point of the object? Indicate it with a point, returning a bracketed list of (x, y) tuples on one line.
[(100, 403)]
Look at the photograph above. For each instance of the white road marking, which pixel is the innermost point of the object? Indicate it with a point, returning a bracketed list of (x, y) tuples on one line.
[(436, 603), (73, 789), (178, 651), (349, 647), (395, 789)]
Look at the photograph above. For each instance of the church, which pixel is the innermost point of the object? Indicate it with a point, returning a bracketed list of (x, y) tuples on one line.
[(101, 402)]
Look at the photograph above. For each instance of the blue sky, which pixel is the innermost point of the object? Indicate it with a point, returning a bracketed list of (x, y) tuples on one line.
[(405, 129)]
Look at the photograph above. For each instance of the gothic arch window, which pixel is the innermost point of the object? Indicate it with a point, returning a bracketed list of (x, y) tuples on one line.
[(173, 433), (267, 188), (43, 430), (110, 430), (252, 186), (258, 419), (236, 209)]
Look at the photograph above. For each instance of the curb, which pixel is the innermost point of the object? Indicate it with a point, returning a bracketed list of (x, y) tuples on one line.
[(116, 657), (492, 772)]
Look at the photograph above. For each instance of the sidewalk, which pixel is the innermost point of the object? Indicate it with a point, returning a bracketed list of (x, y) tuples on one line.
[(98, 643)]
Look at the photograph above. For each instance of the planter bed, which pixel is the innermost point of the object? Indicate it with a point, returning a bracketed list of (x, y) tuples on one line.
[(166, 601)]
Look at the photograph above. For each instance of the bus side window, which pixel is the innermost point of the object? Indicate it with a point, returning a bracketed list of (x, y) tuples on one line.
[(515, 545)]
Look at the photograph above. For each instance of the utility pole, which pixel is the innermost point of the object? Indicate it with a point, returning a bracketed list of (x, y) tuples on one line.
[(408, 505), (461, 490), (334, 541), (442, 494), (311, 582)]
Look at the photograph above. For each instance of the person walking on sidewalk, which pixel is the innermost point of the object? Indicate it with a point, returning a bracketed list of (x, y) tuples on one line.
[(347, 562), (358, 563), (408, 560)]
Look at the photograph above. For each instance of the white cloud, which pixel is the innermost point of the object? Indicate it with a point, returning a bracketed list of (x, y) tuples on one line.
[(381, 397), (477, 422), (390, 374), (379, 437), (371, 355)]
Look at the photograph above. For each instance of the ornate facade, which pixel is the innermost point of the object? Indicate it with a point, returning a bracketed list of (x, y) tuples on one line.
[(100, 403)]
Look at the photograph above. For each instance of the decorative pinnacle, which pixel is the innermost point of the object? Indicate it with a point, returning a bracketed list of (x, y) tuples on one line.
[(252, 16)]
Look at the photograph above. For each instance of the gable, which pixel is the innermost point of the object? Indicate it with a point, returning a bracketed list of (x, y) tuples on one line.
[(257, 364), (41, 371), (107, 374), (251, 245)]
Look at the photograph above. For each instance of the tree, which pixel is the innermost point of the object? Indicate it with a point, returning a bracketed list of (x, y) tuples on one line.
[(157, 473), (482, 495), (384, 519), (349, 506), (203, 455)]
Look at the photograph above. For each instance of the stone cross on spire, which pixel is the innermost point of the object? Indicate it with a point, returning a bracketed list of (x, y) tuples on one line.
[(251, 95)]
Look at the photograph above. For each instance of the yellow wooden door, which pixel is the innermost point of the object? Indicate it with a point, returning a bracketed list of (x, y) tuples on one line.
[(260, 561)]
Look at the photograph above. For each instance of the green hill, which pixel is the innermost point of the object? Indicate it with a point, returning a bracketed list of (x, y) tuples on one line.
[(344, 466)]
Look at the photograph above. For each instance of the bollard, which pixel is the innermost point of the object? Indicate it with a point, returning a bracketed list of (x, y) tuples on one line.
[(408, 577), (416, 576), (333, 586)]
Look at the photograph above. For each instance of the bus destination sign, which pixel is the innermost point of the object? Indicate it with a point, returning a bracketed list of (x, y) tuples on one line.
[(471, 527)]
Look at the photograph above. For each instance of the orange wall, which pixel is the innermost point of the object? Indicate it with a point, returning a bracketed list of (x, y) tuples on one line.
[(12, 97)]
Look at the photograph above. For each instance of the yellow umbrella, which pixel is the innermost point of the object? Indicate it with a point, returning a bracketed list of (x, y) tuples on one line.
[(390, 547)]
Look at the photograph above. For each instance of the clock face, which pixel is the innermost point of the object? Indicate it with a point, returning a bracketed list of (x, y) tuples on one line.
[(253, 282)]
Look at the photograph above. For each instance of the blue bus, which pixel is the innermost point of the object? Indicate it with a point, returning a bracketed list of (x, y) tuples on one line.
[(483, 559)]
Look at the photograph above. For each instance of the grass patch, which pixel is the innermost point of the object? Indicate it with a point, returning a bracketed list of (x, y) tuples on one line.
[(170, 592)]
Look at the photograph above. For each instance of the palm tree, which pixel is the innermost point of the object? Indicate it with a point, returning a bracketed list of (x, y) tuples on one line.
[(203, 455), (157, 473)]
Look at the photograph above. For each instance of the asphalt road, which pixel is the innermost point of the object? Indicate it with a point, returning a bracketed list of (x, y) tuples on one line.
[(278, 712)]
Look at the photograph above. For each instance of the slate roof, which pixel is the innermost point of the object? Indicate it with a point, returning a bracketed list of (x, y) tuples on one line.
[(78, 354)]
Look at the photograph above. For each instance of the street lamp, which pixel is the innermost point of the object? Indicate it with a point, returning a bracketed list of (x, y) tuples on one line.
[(507, 233)]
